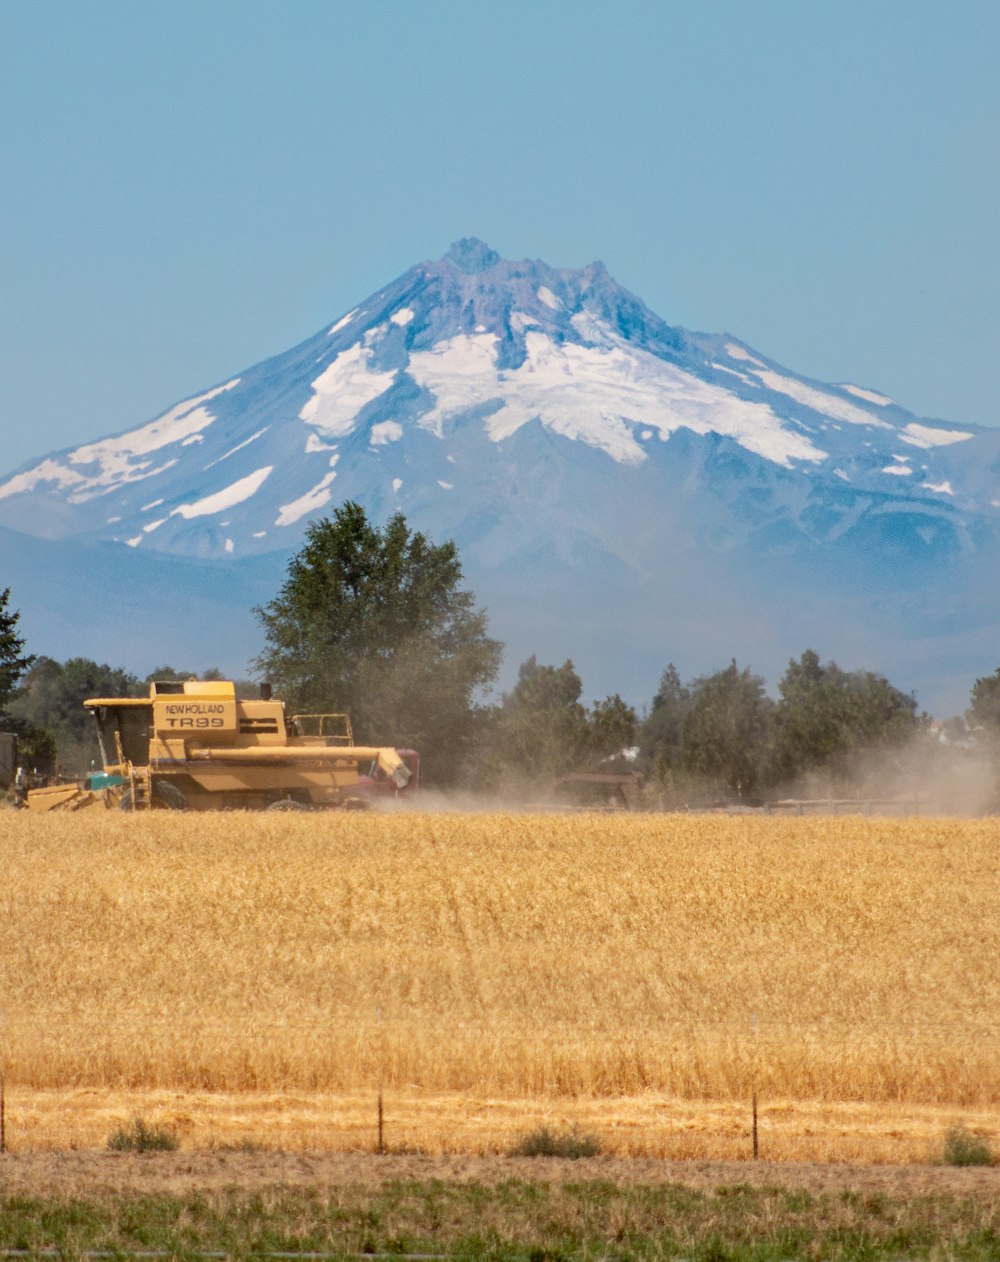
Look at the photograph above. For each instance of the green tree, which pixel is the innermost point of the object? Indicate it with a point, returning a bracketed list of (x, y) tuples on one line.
[(611, 727), (373, 621), (35, 747), (661, 736), (540, 729), (984, 708), (13, 659), (729, 730), (827, 716), (171, 673), (52, 698)]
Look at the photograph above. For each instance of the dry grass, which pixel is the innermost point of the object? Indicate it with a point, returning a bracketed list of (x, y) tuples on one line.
[(650, 1125), (540, 963)]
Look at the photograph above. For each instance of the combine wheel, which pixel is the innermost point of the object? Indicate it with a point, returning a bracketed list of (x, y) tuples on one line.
[(288, 804), (166, 797)]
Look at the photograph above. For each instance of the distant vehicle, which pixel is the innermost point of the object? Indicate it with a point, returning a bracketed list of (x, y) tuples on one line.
[(600, 790)]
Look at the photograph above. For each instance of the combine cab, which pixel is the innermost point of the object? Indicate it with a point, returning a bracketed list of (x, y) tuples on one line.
[(193, 745)]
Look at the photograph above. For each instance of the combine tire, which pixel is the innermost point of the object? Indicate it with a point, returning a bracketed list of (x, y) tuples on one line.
[(166, 797), (288, 804)]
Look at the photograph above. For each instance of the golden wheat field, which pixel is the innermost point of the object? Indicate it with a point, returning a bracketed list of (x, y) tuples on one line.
[(639, 977)]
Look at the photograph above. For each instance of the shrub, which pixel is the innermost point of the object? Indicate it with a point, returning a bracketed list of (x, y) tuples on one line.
[(138, 1137), (964, 1149), (545, 1143)]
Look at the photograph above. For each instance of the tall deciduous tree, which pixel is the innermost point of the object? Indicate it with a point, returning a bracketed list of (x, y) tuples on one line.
[(612, 726), (540, 728), (827, 716), (374, 621), (729, 730)]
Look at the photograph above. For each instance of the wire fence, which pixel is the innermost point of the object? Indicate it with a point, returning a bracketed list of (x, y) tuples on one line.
[(789, 1089)]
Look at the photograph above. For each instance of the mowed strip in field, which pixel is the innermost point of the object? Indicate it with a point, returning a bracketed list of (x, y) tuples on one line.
[(528, 961)]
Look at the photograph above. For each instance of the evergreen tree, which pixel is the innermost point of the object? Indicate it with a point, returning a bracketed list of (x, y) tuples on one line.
[(35, 747), (13, 659), (661, 737)]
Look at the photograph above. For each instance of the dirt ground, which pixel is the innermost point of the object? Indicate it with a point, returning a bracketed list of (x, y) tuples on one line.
[(83, 1174)]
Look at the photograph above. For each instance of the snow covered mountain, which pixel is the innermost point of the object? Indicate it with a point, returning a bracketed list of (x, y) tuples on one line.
[(452, 381), (574, 445)]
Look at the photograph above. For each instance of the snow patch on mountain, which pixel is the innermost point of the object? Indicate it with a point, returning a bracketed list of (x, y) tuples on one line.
[(315, 498), (460, 373), (47, 472), (818, 400), (315, 444), (228, 497), (870, 396), (737, 352), (343, 323), (596, 394), (239, 447), (926, 436), (115, 458), (383, 432), (342, 390)]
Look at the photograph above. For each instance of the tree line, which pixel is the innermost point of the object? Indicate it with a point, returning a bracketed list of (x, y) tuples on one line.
[(375, 621)]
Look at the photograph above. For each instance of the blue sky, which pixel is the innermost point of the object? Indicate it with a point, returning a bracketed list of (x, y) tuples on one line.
[(188, 188)]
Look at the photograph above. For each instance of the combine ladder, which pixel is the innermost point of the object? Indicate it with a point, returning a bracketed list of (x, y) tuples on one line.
[(140, 783)]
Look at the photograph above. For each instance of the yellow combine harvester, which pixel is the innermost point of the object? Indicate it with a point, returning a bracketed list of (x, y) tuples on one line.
[(192, 744)]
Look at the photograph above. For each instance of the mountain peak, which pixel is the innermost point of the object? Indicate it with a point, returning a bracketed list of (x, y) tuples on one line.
[(459, 363), (472, 255)]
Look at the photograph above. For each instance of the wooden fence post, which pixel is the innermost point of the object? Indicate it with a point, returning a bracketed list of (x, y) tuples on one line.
[(381, 1082), (756, 1143)]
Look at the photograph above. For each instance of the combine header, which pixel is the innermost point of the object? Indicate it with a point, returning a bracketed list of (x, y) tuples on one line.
[(193, 744)]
